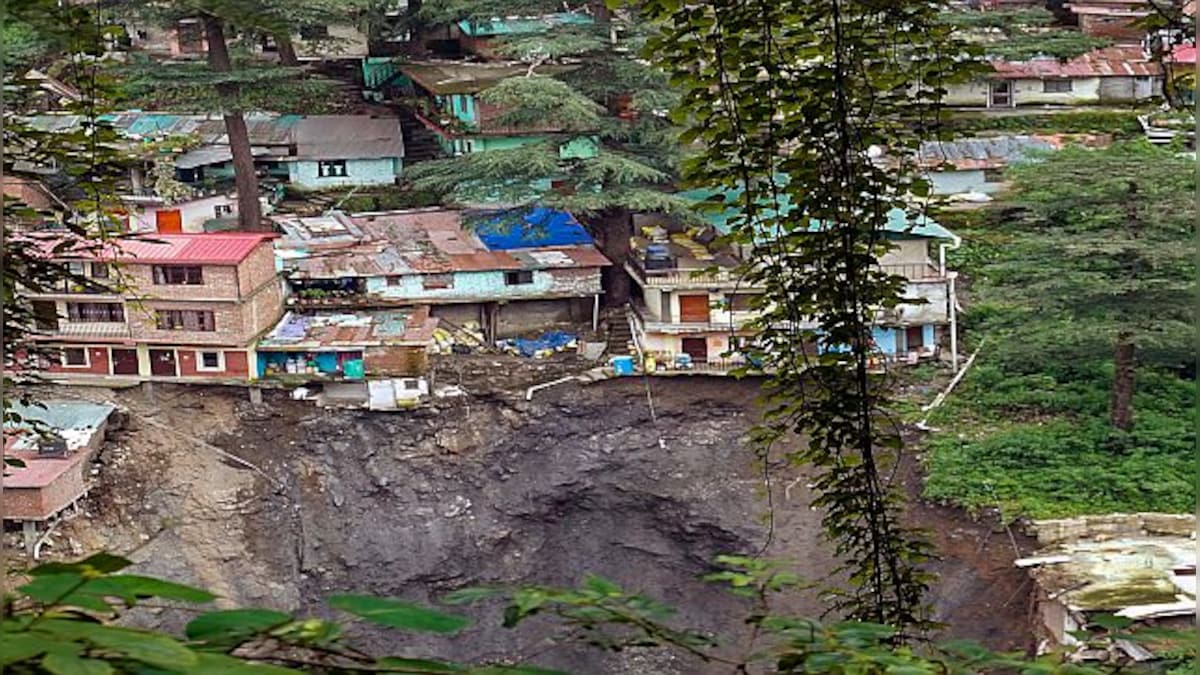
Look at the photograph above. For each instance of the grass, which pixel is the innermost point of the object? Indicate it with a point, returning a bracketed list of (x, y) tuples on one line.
[(1027, 429)]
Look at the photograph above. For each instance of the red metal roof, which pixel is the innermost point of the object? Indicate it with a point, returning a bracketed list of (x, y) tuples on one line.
[(215, 248), (1184, 54), (1128, 61)]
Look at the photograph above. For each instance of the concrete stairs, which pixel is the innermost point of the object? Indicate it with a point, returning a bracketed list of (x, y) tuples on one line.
[(420, 143), (620, 337)]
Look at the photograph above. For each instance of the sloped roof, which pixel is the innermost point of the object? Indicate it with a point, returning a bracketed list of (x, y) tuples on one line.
[(522, 25), (1118, 61), (418, 241), (461, 77), (210, 248), (351, 329), (985, 152), (347, 137)]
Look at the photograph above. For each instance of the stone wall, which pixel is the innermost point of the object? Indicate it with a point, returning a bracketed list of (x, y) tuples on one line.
[(1050, 532)]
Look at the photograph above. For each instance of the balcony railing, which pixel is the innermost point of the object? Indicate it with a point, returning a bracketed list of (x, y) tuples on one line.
[(91, 329), (675, 278)]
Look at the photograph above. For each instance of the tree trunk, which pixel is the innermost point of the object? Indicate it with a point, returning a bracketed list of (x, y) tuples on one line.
[(1123, 385), (613, 227), (244, 176), (287, 50)]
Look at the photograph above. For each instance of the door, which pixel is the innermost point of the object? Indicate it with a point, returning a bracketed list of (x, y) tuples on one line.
[(45, 315), (697, 348), (168, 222), (693, 308), (124, 361), (162, 363), (1000, 94), (914, 338)]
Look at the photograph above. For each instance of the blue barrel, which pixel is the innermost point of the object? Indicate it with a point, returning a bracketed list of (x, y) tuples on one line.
[(623, 365)]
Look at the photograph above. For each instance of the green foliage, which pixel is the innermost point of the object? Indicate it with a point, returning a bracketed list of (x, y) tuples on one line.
[(541, 102), (837, 79), (1022, 34), (21, 44), (1120, 124)]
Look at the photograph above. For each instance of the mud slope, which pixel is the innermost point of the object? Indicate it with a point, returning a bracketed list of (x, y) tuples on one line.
[(491, 490)]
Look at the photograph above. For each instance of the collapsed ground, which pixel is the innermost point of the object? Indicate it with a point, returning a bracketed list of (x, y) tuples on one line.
[(488, 488)]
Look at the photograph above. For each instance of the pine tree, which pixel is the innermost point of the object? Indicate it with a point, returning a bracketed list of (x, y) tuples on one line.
[(238, 84), (1105, 257), (609, 101)]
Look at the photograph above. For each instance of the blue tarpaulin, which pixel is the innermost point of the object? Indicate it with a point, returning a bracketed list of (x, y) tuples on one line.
[(554, 339), (537, 227)]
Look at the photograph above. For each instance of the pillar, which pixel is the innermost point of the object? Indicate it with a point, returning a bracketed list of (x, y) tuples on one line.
[(30, 529), (256, 395)]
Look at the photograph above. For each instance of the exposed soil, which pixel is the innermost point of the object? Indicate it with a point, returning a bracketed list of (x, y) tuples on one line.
[(490, 488)]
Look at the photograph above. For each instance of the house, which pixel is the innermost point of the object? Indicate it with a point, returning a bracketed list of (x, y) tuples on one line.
[(213, 211), (510, 277), (975, 166), (175, 307), (303, 151), (477, 36), (360, 346), (186, 40), (1112, 19), (55, 440), (694, 301), (1112, 75), (445, 97), (1139, 566)]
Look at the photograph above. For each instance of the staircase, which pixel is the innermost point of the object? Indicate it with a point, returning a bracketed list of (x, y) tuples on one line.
[(619, 334), (420, 143)]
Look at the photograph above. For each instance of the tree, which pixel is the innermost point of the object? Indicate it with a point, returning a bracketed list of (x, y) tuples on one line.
[(237, 84), (1022, 34), (1104, 240), (611, 103), (786, 100)]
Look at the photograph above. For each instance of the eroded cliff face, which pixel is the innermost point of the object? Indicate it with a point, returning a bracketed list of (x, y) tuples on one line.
[(486, 489)]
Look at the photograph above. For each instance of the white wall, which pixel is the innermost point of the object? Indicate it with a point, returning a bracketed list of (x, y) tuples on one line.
[(142, 217)]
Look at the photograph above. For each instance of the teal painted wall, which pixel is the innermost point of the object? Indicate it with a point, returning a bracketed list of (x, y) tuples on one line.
[(381, 171)]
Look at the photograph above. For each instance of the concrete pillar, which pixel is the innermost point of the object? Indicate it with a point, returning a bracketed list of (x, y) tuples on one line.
[(256, 395), (143, 355), (595, 312), (30, 529)]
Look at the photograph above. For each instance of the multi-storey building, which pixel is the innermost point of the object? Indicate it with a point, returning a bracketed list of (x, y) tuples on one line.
[(694, 301), (188, 306)]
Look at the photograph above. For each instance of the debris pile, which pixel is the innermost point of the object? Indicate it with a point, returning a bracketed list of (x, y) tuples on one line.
[(549, 343)]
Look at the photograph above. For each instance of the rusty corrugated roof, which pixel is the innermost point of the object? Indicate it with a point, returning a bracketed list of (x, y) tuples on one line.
[(1120, 61)]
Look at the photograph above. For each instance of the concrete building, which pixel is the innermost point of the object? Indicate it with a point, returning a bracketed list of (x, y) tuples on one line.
[(177, 307), (509, 277), (694, 301), (1112, 75)]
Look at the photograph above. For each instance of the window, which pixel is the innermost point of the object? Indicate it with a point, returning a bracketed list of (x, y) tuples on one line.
[(75, 357), (1056, 86), (518, 278), (186, 319), (333, 168), (210, 361), (993, 175), (412, 385), (99, 270), (45, 315), (393, 281), (436, 282), (96, 312), (178, 275), (222, 210), (740, 302), (314, 32)]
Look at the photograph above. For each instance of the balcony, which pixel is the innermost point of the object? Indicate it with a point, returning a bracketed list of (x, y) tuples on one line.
[(87, 330), (719, 321), (677, 278)]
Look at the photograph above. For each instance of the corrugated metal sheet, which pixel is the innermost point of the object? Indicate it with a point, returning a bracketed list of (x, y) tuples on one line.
[(350, 330), (461, 77), (61, 415), (1122, 61), (989, 152), (347, 137), (212, 248)]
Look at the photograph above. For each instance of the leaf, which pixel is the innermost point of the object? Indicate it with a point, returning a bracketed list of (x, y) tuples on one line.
[(601, 585), (398, 614), (234, 625), (65, 664), (49, 588), (150, 648), (130, 587), (422, 665), (514, 670), (17, 647), (470, 595), (220, 664)]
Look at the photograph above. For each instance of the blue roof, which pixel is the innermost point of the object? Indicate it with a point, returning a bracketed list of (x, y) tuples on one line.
[(537, 227), (62, 415), (899, 222)]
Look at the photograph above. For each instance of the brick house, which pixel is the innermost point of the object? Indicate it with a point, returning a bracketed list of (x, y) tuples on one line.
[(180, 306)]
